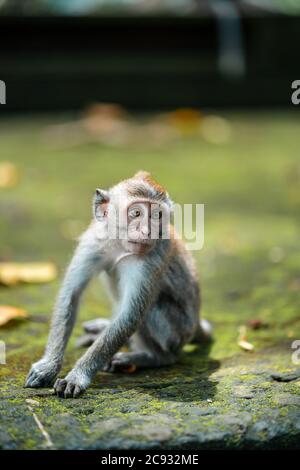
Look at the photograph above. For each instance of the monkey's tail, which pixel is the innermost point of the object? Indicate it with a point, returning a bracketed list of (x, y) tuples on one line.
[(203, 332)]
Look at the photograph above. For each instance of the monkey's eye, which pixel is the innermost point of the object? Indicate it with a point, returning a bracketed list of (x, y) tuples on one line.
[(134, 213), (156, 214)]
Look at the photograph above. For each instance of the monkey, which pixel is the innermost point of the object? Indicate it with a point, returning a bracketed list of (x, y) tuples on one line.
[(153, 285)]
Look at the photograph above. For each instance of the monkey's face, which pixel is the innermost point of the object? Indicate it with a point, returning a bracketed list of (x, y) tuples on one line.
[(144, 226)]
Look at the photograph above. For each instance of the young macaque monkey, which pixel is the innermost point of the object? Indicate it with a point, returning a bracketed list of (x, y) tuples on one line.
[(152, 282)]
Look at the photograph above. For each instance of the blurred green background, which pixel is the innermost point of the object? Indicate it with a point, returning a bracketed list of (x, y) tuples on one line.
[(249, 183)]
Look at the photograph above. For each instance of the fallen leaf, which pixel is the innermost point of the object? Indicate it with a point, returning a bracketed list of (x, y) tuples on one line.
[(9, 175), (13, 273), (256, 324), (8, 313), (185, 120), (103, 120), (242, 340), (246, 345)]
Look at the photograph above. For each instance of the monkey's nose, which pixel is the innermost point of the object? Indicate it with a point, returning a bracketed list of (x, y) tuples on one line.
[(145, 232)]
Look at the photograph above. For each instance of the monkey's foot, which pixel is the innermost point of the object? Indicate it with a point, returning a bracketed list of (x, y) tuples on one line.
[(121, 362), (72, 386), (42, 374), (85, 341), (95, 326), (92, 329)]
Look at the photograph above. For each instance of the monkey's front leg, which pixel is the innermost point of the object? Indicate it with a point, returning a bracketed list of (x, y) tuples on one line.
[(136, 303), (82, 267), (104, 347)]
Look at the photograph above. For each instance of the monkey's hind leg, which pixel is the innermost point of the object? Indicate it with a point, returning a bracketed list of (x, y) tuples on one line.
[(130, 361), (92, 329)]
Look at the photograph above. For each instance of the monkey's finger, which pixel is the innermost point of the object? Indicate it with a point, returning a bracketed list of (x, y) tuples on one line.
[(34, 381), (69, 390), (59, 387), (29, 378), (78, 391), (30, 383)]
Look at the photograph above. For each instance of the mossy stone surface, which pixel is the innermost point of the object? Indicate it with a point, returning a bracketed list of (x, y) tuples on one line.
[(215, 397)]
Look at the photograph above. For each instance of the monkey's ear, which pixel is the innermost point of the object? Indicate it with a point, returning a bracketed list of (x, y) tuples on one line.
[(170, 203), (101, 200), (101, 195), (142, 175)]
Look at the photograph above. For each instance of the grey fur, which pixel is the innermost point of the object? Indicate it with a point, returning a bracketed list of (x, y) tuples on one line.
[(156, 301)]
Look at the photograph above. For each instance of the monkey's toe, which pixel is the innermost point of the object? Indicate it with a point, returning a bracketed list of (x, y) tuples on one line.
[(59, 387), (65, 389), (121, 362)]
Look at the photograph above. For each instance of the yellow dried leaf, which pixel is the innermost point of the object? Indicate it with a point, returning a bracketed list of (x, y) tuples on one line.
[(8, 274), (9, 175), (185, 120), (13, 273), (8, 313), (246, 345)]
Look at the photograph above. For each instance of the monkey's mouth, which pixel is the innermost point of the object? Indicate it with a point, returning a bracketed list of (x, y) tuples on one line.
[(140, 242), (140, 246)]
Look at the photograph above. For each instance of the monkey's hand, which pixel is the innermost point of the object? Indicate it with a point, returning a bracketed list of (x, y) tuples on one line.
[(73, 385), (42, 373)]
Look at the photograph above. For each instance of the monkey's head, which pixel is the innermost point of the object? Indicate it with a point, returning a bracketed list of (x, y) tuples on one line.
[(136, 212)]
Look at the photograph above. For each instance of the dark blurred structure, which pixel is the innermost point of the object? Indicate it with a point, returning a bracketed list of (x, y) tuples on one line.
[(142, 54)]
